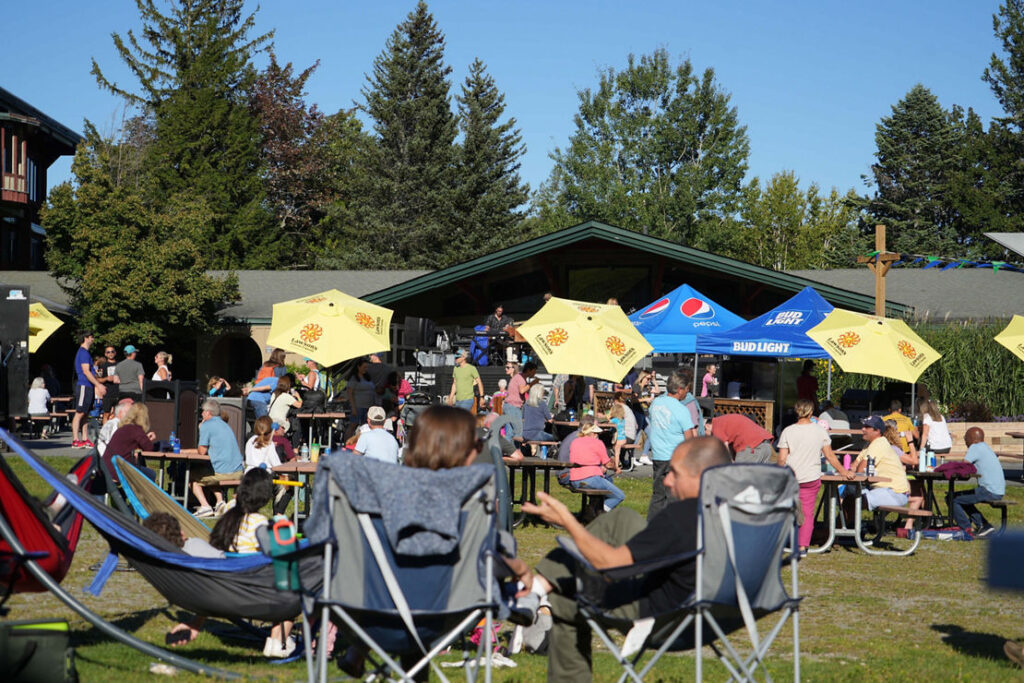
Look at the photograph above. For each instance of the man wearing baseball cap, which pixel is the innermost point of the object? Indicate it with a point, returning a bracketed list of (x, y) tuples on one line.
[(887, 464), (130, 375), (375, 442)]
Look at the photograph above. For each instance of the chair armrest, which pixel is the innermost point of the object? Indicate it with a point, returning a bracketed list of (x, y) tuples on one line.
[(626, 571)]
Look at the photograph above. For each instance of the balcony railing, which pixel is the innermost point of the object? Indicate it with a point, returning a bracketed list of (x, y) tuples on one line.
[(15, 188)]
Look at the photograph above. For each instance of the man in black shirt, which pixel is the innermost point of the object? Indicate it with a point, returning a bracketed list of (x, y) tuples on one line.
[(618, 538)]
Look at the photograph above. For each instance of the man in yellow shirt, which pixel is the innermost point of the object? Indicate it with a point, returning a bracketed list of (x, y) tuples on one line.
[(906, 428), (887, 464)]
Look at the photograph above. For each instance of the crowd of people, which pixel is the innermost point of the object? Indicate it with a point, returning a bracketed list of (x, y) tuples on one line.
[(665, 424)]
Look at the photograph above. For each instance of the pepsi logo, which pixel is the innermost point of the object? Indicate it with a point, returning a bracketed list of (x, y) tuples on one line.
[(697, 309), (656, 308)]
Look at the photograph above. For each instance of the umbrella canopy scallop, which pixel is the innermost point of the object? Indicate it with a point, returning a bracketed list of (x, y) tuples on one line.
[(330, 327), (583, 338), (1012, 337), (871, 345), (41, 324)]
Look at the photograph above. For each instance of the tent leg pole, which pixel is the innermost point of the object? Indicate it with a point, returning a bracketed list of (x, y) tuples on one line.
[(105, 627), (695, 357), (828, 390)]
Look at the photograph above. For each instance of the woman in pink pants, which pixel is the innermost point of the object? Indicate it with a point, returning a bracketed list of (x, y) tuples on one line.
[(801, 446)]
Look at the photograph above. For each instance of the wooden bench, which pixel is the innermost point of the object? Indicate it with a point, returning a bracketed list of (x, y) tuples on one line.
[(1002, 505), (627, 451), (919, 517), (535, 447), (32, 425), (591, 501)]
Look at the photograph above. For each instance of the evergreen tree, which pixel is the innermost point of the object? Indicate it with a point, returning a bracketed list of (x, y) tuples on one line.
[(489, 191), (1005, 76), (128, 271), (656, 149), (919, 149), (410, 171), (194, 72)]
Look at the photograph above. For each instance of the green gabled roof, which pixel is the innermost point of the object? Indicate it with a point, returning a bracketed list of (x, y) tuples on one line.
[(843, 298)]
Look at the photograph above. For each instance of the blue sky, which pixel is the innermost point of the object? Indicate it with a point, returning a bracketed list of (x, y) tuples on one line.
[(810, 79)]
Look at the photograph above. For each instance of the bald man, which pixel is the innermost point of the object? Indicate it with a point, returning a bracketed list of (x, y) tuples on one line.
[(622, 537), (991, 485)]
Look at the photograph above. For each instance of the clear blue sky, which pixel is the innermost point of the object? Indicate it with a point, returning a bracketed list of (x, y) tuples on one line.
[(810, 79)]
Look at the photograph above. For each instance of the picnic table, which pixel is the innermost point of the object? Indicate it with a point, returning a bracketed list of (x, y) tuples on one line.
[(187, 456), (930, 501), (317, 416), (529, 467), (831, 484), (1014, 435), (303, 471)]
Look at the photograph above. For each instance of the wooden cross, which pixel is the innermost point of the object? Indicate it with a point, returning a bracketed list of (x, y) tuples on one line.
[(879, 264)]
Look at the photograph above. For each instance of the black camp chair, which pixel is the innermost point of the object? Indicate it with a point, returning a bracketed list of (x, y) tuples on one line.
[(747, 518)]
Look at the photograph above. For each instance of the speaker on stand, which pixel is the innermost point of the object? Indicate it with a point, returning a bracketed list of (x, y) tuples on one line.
[(14, 379)]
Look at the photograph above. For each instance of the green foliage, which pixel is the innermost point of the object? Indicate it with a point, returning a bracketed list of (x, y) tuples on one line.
[(1005, 76), (974, 370), (918, 149), (410, 171), (489, 190), (194, 76), (656, 149), (132, 273)]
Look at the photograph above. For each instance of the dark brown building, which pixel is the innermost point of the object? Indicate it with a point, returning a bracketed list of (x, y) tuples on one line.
[(30, 141)]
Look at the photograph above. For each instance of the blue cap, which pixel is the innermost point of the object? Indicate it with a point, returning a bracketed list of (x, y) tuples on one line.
[(874, 422), (130, 349)]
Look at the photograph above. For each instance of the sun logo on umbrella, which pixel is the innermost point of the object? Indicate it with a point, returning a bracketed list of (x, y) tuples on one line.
[(557, 336), (311, 332), (849, 339), (33, 314), (589, 309), (907, 349), (316, 299), (615, 345), (364, 319)]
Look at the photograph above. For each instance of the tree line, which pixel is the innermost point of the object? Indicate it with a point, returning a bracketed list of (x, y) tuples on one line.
[(223, 165)]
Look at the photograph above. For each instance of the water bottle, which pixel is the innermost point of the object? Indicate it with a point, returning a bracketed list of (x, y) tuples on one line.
[(282, 540), (871, 466), (543, 452), (922, 460), (572, 414), (304, 453), (175, 443), (824, 465), (847, 461), (931, 462)]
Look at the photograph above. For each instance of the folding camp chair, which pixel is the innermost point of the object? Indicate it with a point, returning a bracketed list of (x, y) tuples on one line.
[(747, 517), (397, 580)]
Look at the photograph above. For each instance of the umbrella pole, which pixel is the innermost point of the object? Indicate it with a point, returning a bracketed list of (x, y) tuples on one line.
[(695, 356), (913, 387), (828, 389)]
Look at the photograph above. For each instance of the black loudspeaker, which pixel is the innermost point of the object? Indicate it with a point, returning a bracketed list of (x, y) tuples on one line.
[(419, 333), (174, 407), (14, 379)]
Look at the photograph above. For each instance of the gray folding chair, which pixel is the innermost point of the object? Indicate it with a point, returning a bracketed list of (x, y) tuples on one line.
[(747, 519)]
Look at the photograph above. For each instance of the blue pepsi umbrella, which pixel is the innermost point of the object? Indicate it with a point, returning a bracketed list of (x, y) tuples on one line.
[(671, 324)]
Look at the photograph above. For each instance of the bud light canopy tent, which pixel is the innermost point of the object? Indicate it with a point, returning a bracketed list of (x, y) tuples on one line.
[(671, 324), (779, 333)]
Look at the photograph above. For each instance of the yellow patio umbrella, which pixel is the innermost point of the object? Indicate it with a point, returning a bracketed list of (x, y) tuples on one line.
[(581, 338), (873, 346), (41, 324), (1013, 336), (330, 327)]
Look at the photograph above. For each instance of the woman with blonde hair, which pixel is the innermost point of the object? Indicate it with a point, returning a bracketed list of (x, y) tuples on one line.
[(163, 372), (132, 436), (801, 446), (536, 415), (934, 431)]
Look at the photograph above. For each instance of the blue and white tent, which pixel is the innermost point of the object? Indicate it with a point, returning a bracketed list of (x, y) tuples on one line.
[(671, 324), (779, 333)]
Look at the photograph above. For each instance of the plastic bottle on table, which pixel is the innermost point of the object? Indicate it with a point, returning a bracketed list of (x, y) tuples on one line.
[(543, 452), (870, 470), (922, 460), (847, 461), (304, 453)]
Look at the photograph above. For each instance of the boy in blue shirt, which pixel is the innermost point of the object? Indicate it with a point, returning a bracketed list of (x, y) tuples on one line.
[(991, 484)]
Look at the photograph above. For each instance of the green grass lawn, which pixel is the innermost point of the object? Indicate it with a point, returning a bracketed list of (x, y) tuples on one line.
[(927, 616)]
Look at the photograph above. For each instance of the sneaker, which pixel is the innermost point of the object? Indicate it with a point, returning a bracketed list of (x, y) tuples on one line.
[(218, 509), (515, 644), (637, 636), (204, 511), (274, 649), (645, 460), (77, 444), (88, 444), (986, 531)]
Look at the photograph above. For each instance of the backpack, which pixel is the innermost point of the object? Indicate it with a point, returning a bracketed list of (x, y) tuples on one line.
[(696, 412)]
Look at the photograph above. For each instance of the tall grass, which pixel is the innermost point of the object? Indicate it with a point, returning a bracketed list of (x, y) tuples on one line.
[(974, 369)]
